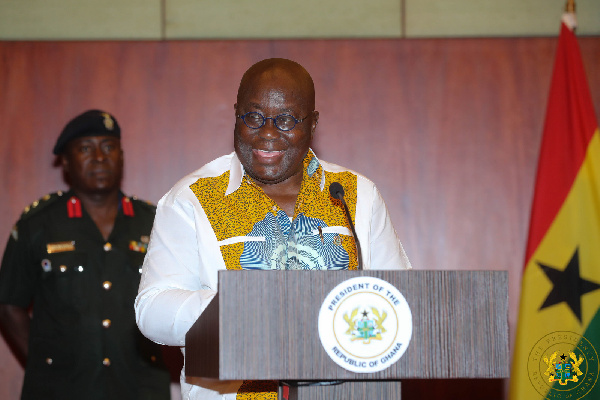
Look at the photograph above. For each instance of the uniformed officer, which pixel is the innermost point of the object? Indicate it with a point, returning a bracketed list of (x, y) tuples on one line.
[(75, 258)]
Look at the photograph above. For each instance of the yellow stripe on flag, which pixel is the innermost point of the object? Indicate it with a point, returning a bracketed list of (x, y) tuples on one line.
[(576, 227), (558, 334)]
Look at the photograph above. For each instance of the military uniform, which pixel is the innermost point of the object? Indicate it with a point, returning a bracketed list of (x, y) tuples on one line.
[(83, 343)]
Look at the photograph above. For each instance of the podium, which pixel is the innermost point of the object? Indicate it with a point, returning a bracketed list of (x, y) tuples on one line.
[(262, 325)]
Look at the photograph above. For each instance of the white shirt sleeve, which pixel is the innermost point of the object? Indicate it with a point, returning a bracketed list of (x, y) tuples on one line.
[(386, 249), (381, 248), (174, 288)]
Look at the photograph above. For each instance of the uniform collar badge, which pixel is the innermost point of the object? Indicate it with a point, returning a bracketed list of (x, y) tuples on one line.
[(74, 207), (127, 206)]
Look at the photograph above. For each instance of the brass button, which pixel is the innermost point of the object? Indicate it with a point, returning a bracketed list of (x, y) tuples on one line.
[(107, 285), (153, 358), (106, 323), (49, 361), (106, 362), (107, 246), (63, 268)]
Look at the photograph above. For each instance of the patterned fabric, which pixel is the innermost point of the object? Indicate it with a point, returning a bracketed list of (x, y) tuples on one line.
[(254, 233), (215, 218), (258, 390)]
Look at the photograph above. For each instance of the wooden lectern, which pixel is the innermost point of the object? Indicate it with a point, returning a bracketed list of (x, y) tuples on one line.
[(262, 325)]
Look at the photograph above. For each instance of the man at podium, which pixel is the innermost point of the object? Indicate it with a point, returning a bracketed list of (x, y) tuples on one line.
[(266, 206)]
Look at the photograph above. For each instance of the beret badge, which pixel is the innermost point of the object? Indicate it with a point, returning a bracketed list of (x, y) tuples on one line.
[(109, 124)]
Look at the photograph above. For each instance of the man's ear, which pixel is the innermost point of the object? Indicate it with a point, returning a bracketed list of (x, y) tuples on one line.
[(64, 162), (315, 121)]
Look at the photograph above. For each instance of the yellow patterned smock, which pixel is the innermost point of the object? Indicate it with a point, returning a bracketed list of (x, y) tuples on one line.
[(256, 234)]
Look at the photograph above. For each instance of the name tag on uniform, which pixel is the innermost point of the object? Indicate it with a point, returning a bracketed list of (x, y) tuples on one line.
[(59, 247)]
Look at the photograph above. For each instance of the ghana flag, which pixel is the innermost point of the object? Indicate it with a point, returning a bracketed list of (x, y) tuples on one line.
[(558, 334)]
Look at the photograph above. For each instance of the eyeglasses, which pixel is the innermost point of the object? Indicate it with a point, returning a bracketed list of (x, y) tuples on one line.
[(283, 122)]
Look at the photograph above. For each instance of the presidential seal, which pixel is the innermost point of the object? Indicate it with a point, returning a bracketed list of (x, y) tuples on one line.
[(563, 365), (365, 324)]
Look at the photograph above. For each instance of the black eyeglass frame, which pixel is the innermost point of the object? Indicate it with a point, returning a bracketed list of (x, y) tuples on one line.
[(296, 120)]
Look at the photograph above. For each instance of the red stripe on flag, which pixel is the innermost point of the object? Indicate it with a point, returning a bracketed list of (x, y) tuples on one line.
[(569, 126)]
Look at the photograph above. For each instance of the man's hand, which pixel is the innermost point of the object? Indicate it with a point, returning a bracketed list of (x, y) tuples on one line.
[(14, 324)]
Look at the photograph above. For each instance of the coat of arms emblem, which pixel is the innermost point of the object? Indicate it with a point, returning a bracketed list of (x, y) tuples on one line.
[(366, 328), (563, 370), (365, 324)]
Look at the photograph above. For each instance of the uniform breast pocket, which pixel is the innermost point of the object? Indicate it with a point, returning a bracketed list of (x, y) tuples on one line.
[(135, 261), (64, 276), (133, 273)]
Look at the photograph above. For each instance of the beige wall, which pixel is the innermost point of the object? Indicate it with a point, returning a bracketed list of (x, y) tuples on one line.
[(278, 19)]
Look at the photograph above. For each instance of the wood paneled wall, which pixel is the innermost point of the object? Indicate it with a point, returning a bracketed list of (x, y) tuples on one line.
[(448, 129)]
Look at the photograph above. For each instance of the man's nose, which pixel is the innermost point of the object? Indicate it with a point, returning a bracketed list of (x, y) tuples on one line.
[(269, 129), (99, 154)]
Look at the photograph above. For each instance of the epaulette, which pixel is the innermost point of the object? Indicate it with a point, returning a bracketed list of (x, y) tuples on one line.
[(41, 203), (127, 203), (143, 202)]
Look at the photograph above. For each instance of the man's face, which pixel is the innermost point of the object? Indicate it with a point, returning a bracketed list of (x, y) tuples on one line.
[(94, 164), (269, 155)]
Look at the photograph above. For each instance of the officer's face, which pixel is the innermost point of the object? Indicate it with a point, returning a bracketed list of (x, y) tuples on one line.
[(269, 155), (94, 164)]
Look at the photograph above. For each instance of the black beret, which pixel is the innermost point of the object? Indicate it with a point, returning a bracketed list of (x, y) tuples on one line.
[(90, 123)]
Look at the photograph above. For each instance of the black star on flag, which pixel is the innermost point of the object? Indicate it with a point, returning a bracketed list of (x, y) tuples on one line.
[(568, 286)]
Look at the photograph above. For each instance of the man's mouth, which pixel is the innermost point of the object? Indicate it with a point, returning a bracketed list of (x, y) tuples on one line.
[(267, 154), (102, 172)]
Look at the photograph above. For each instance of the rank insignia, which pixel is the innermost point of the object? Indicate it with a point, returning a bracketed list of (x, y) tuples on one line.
[(108, 121), (138, 246), (60, 247)]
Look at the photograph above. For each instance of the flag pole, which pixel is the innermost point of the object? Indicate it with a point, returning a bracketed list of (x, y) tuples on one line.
[(569, 16), (570, 7)]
